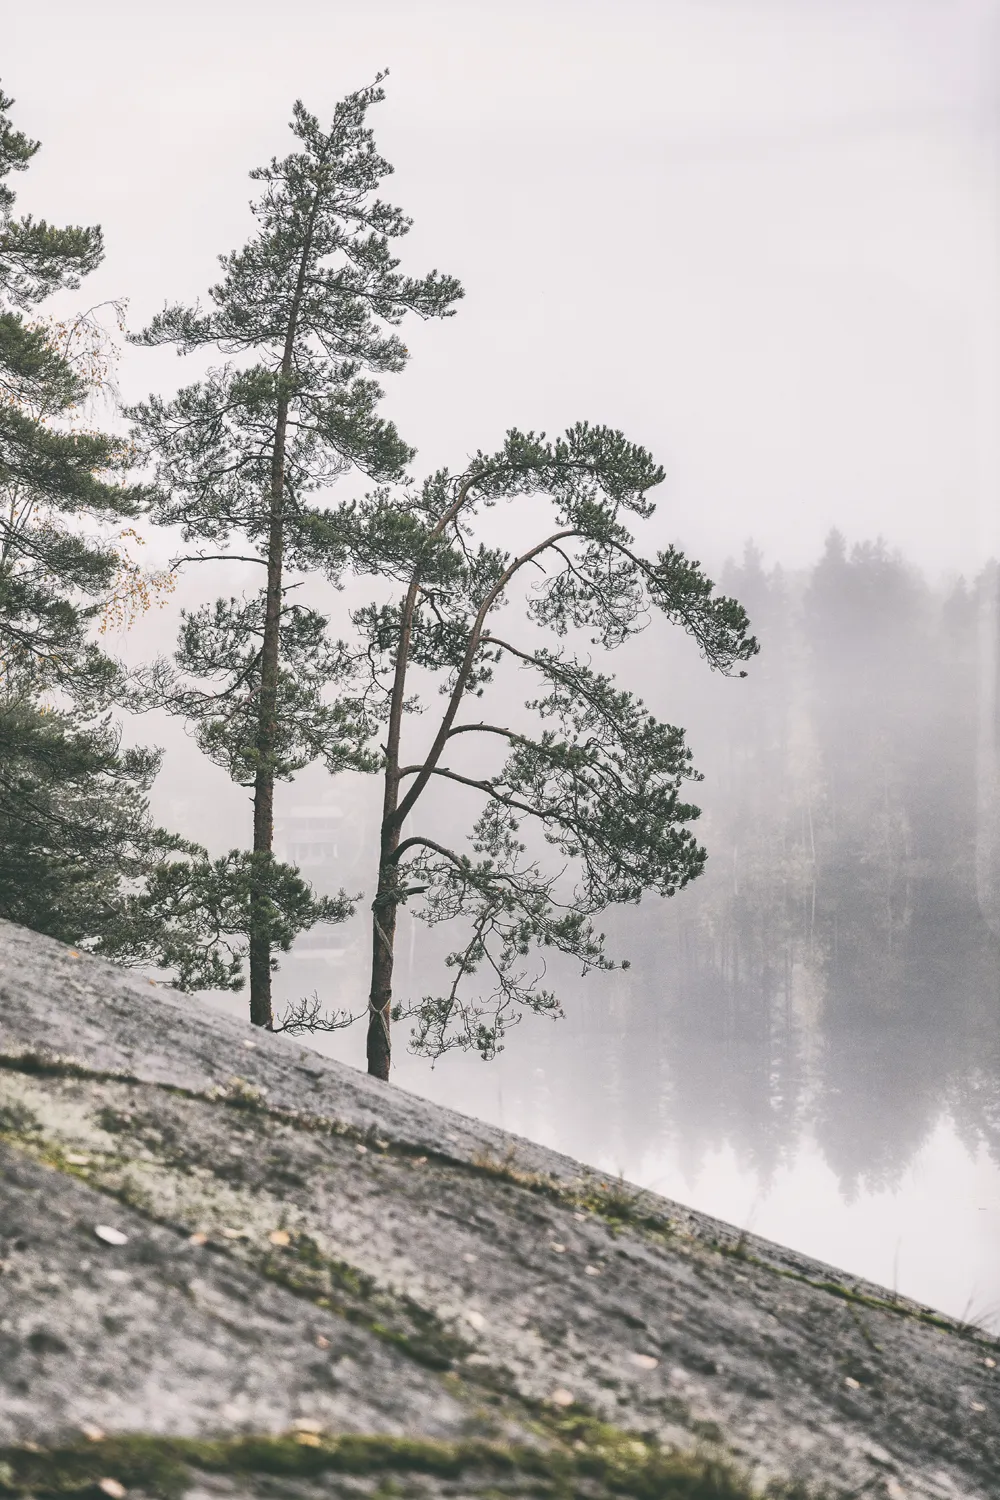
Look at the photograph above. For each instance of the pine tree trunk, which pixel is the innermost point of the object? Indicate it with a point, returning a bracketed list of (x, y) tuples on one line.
[(261, 1013), (263, 801), (386, 897), (394, 815), (383, 951)]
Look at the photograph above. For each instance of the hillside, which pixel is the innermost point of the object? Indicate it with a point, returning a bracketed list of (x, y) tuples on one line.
[(233, 1267)]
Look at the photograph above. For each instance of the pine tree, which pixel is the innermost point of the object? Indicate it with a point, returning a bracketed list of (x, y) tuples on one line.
[(75, 833), (598, 777), (52, 576), (80, 856), (35, 257), (307, 307), (72, 814)]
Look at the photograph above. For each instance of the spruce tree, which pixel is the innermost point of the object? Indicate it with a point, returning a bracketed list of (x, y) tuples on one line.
[(305, 312)]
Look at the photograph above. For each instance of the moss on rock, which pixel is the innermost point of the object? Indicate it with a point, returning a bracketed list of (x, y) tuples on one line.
[(593, 1459)]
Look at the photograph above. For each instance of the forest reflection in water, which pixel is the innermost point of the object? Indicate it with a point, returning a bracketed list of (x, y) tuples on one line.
[(808, 1040), (872, 1143)]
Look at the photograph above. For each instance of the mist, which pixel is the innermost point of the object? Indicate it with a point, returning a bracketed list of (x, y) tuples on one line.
[(817, 1014), (763, 241)]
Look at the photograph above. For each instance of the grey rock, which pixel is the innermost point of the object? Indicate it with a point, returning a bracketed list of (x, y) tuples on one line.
[(364, 1262)]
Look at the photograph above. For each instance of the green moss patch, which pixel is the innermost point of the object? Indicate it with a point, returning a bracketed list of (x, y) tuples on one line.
[(618, 1203), (592, 1459), (901, 1308), (341, 1288)]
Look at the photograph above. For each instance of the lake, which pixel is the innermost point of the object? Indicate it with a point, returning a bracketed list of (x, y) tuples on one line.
[(865, 1134)]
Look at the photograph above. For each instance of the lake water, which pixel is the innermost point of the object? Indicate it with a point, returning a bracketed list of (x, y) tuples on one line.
[(933, 1233), (863, 1134), (807, 1043)]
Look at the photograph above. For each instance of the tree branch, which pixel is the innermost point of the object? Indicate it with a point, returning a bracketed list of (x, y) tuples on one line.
[(543, 814), (509, 734), (465, 670), (416, 839), (217, 557)]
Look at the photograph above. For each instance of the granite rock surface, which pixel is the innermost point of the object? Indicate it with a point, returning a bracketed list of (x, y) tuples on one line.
[(231, 1266)]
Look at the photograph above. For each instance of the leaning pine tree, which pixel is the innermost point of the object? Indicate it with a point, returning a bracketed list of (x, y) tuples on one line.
[(307, 306), (588, 767)]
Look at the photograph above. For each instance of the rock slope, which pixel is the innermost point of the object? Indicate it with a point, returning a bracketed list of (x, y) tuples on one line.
[(230, 1266)]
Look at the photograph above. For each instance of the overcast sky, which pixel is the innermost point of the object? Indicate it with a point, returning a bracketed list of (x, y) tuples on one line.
[(760, 236)]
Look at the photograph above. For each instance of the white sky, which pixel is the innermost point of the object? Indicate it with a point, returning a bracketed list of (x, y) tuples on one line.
[(761, 236)]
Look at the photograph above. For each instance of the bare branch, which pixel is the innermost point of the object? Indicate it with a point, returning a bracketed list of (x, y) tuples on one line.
[(196, 557), (307, 1015)]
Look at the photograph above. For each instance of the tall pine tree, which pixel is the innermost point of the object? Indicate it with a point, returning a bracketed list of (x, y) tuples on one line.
[(50, 477), (307, 308)]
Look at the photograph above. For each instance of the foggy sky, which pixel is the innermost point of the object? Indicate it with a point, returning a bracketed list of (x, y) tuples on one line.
[(760, 236)]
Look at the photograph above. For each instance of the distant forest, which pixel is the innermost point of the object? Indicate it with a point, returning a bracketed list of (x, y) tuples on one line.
[(836, 965), (843, 775)]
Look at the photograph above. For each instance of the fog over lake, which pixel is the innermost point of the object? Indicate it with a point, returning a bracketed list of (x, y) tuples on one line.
[(761, 239), (807, 1042)]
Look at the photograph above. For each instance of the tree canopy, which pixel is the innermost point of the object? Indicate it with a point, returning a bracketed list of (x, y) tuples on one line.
[(575, 802), (305, 313), (72, 814), (80, 856), (599, 778)]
